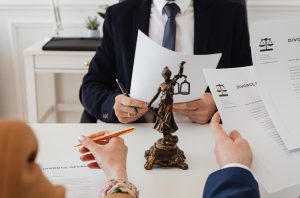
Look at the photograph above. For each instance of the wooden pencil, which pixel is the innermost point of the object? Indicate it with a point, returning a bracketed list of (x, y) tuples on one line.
[(111, 135)]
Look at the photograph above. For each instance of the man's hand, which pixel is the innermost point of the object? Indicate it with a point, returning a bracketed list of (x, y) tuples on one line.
[(198, 111), (232, 148), (124, 111)]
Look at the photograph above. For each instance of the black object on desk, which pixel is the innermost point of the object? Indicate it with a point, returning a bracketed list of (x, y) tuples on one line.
[(72, 44)]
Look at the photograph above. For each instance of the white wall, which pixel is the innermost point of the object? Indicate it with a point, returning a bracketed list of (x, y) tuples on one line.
[(273, 9), (23, 22)]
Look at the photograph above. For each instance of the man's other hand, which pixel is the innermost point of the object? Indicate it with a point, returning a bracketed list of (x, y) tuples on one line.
[(198, 111)]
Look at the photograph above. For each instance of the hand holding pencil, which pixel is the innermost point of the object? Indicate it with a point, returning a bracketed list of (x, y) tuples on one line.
[(104, 136), (108, 153)]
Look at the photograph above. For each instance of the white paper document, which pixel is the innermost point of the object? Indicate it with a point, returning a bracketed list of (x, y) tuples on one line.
[(78, 179), (239, 102), (276, 57), (151, 58)]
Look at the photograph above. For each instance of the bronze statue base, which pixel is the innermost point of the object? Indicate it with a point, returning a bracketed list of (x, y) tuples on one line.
[(165, 154)]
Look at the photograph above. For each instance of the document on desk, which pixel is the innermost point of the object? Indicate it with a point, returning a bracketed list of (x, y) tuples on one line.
[(239, 102), (78, 179), (151, 58), (276, 56)]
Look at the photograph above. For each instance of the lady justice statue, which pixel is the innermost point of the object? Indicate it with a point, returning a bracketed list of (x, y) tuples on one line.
[(165, 152)]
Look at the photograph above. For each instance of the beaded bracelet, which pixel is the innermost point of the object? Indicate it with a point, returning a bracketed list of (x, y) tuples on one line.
[(120, 186)]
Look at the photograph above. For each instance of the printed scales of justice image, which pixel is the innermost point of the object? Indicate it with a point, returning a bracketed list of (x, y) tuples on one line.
[(165, 152)]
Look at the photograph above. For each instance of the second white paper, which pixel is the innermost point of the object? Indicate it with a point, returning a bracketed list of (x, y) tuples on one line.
[(151, 58)]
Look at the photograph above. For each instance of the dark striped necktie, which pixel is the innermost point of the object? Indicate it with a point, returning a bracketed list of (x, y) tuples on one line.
[(170, 29)]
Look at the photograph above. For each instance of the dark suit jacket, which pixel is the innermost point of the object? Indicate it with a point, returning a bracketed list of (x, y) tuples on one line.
[(231, 182), (220, 27)]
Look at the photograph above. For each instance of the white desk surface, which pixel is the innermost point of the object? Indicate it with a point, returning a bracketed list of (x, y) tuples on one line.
[(56, 144)]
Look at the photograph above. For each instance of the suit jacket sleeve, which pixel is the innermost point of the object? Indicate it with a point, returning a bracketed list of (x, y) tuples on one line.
[(99, 89), (241, 50), (231, 182)]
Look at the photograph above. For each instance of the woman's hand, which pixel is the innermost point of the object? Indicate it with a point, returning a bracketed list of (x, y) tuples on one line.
[(110, 156)]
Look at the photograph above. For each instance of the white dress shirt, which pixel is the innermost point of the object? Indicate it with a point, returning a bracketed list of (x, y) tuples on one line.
[(184, 33), (238, 165), (184, 24)]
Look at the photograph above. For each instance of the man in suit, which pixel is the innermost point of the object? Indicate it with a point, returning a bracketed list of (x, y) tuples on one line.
[(234, 157), (201, 27)]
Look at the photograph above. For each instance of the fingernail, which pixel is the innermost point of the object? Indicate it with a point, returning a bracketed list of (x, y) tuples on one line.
[(81, 138)]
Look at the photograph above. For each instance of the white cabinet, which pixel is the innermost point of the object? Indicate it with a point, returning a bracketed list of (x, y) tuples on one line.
[(51, 62)]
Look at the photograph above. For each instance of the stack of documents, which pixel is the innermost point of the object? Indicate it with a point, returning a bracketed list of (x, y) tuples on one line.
[(263, 102), (277, 70)]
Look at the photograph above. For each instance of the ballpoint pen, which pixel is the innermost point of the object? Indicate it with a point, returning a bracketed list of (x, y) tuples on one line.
[(122, 88), (111, 135)]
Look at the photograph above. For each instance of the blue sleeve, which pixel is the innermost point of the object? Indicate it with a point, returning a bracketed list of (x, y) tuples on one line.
[(231, 182), (99, 89)]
